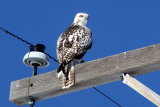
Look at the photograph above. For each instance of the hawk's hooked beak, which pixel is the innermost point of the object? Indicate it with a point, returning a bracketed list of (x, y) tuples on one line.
[(87, 17)]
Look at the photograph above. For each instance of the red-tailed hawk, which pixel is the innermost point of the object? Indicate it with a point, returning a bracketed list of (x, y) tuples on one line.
[(71, 47)]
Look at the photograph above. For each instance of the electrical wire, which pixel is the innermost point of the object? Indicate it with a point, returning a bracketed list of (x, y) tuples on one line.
[(21, 39), (107, 97), (7, 32), (51, 57)]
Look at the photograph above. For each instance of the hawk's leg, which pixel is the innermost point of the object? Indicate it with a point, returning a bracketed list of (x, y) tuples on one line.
[(68, 78), (63, 82), (72, 71), (65, 79), (71, 76)]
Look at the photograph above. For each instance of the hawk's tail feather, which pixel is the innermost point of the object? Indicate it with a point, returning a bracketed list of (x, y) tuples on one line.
[(62, 66), (66, 72), (59, 74), (61, 69)]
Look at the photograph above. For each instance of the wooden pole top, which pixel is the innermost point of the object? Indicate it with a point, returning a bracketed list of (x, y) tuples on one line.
[(89, 74)]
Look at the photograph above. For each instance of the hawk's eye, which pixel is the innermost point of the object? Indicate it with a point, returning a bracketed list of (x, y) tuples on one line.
[(81, 16)]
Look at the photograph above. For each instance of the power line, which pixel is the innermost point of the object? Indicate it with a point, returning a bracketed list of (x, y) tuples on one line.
[(7, 32), (51, 57), (22, 40), (107, 97)]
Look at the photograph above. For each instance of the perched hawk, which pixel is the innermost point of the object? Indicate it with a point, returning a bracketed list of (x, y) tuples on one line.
[(71, 47)]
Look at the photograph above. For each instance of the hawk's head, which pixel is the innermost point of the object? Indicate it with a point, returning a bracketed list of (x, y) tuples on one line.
[(81, 18)]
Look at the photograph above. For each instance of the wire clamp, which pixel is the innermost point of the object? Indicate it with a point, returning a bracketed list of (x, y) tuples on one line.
[(32, 100), (122, 76)]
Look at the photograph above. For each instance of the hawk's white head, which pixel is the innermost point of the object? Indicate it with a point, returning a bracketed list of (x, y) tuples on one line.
[(81, 19)]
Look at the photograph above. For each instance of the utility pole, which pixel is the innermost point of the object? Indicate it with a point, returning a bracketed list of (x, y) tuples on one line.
[(97, 72)]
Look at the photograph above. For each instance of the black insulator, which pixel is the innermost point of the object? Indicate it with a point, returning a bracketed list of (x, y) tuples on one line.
[(38, 47)]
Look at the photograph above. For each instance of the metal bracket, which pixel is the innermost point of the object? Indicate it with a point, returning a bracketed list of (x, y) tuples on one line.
[(32, 100)]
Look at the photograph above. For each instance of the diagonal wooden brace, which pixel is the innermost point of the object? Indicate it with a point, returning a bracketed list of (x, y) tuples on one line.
[(141, 89)]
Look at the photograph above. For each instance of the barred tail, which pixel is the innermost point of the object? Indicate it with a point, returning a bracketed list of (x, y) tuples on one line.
[(63, 69), (60, 71)]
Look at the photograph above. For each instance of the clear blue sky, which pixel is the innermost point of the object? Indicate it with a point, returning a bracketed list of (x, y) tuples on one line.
[(117, 26)]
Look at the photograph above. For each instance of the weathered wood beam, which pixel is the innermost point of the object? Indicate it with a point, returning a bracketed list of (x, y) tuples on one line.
[(89, 74)]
